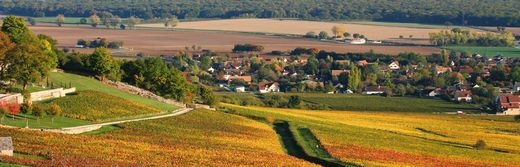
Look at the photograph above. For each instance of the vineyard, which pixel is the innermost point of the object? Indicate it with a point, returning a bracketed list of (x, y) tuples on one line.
[(403, 139), (199, 138), (96, 106)]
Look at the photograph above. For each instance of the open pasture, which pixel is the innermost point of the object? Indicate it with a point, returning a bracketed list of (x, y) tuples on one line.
[(169, 42)]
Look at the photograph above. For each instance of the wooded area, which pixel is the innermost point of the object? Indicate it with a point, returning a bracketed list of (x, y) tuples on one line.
[(474, 12)]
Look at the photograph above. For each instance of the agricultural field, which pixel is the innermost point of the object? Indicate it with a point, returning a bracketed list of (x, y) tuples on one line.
[(198, 138), (85, 83), (68, 20), (488, 51), (170, 42), (402, 139), (342, 102), (96, 106)]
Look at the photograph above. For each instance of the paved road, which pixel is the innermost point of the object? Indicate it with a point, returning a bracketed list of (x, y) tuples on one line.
[(87, 128)]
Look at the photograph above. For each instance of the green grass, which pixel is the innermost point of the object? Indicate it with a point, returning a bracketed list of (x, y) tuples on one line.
[(488, 51), (395, 24), (44, 122), (97, 106), (2, 164), (68, 20), (102, 130), (85, 83), (379, 103)]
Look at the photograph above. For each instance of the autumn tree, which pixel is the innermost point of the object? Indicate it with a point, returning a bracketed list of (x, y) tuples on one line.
[(94, 20), (102, 63), (15, 28), (54, 110), (206, 95), (114, 21), (171, 22), (132, 21), (28, 64), (60, 19), (5, 46), (338, 31), (445, 57), (323, 35)]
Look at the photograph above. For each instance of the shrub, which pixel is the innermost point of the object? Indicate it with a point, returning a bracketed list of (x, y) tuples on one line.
[(480, 144), (517, 118)]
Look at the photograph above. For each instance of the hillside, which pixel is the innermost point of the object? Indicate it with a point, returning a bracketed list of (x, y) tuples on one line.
[(199, 138), (483, 12), (402, 139)]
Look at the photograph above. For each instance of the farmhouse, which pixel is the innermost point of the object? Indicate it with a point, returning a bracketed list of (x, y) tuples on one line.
[(508, 104), (373, 90), (6, 146), (463, 96), (339, 72), (268, 87), (442, 69), (240, 89)]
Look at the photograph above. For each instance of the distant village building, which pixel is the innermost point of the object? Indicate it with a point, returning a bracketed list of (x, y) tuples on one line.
[(508, 104), (339, 72), (394, 65), (240, 89), (357, 41), (211, 70), (463, 96), (268, 87), (442, 69), (374, 90), (6, 146), (362, 63), (516, 87)]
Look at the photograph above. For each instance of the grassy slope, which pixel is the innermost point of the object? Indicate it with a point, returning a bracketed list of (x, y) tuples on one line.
[(97, 106), (85, 83), (198, 138), (394, 139), (488, 51)]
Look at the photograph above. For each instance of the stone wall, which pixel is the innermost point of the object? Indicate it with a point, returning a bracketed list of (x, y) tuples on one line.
[(39, 96)]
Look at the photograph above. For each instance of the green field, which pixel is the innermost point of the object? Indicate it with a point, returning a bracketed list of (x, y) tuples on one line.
[(394, 24), (488, 51), (400, 139), (45, 122), (351, 102), (68, 20), (85, 83)]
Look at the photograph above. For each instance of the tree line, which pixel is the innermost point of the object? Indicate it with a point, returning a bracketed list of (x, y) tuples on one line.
[(483, 12), (464, 37)]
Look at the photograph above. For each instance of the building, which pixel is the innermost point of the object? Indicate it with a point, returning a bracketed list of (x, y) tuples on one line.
[(394, 65), (339, 72), (240, 89), (268, 87), (374, 90), (516, 87), (463, 96), (246, 78), (442, 69), (508, 104), (6, 146)]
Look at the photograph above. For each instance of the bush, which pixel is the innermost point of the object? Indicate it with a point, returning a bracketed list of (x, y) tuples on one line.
[(480, 144), (517, 118)]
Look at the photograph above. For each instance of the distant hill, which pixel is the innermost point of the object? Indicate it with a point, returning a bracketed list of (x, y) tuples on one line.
[(470, 12)]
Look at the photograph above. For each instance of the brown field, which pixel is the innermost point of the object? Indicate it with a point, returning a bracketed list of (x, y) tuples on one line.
[(156, 42), (301, 27)]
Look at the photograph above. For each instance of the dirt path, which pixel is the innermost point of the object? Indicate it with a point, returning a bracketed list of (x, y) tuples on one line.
[(88, 128)]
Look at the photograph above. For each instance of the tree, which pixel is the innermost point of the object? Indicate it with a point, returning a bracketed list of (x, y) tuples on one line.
[(83, 21), (28, 64), (114, 21), (515, 74), (338, 31), (323, 35), (15, 28), (54, 110), (102, 63), (311, 34), (94, 20), (171, 22), (60, 19), (5, 46), (480, 144), (445, 57), (132, 21), (346, 35), (32, 21), (354, 78), (207, 96), (294, 101)]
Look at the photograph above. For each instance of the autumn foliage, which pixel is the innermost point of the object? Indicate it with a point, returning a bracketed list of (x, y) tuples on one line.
[(12, 108)]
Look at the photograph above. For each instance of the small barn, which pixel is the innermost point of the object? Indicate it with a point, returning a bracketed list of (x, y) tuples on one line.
[(6, 146)]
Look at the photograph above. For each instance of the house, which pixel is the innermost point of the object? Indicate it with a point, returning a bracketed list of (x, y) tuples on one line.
[(211, 70), (357, 41), (374, 90), (508, 104), (6, 146), (432, 92), (338, 72), (394, 65), (442, 69), (362, 63), (247, 78), (347, 62), (463, 96), (268, 87), (240, 89), (516, 87)]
